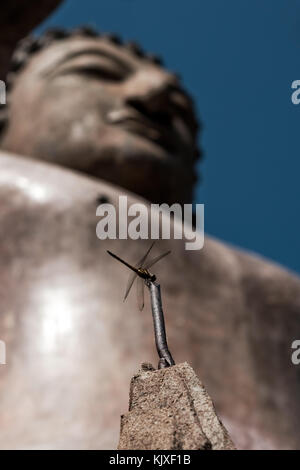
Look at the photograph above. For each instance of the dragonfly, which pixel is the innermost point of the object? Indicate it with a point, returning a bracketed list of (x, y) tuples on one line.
[(140, 273)]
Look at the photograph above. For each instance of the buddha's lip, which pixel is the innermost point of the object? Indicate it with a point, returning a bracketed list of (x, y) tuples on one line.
[(136, 122)]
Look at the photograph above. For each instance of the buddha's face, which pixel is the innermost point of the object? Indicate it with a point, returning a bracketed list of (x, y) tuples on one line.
[(95, 106)]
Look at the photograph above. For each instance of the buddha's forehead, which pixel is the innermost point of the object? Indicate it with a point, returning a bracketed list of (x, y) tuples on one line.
[(60, 51)]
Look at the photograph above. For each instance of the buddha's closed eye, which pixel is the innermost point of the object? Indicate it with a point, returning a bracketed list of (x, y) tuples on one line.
[(99, 72)]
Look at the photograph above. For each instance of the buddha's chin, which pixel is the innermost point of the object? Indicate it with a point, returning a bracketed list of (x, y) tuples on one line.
[(132, 145), (143, 149), (130, 157), (140, 170)]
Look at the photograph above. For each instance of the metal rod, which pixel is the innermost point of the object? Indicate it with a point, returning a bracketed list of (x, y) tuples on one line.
[(166, 359)]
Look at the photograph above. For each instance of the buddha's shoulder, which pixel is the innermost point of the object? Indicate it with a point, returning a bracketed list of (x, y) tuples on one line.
[(262, 281), (43, 183)]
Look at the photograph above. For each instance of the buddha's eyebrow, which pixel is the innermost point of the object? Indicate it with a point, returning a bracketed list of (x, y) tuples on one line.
[(96, 52)]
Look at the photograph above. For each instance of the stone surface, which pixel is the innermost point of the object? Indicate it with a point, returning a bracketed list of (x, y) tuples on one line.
[(170, 409)]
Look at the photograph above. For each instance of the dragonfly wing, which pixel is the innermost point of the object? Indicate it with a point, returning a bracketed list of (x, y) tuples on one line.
[(130, 282), (155, 260), (142, 261), (133, 276), (140, 293)]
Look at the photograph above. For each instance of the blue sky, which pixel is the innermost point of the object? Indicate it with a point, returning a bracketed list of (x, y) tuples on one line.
[(238, 59)]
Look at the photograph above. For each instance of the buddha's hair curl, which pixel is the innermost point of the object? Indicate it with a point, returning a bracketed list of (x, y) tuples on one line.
[(31, 44)]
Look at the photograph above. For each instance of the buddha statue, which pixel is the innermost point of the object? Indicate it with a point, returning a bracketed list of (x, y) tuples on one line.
[(89, 118)]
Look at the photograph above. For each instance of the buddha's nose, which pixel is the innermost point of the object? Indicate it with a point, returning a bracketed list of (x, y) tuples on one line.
[(151, 89)]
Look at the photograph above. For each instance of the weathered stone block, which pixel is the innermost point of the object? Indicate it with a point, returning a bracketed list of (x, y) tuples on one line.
[(170, 409)]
